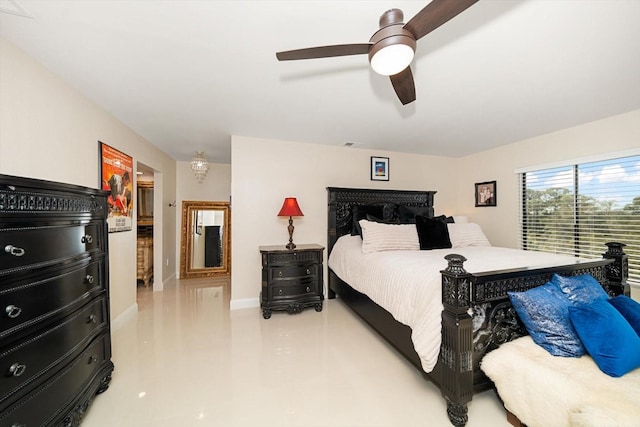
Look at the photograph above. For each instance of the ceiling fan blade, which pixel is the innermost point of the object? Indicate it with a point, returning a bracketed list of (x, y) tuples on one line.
[(435, 14), (324, 51), (404, 86)]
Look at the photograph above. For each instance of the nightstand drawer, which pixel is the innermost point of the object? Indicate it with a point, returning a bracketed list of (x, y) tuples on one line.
[(302, 287), (292, 272), (291, 257)]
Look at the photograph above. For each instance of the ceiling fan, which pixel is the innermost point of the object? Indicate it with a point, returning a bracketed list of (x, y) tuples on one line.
[(392, 47)]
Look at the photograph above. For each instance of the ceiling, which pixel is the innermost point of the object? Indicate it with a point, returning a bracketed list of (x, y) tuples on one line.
[(186, 75)]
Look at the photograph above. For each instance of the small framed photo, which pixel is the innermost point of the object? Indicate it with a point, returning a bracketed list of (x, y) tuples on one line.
[(379, 168), (486, 194)]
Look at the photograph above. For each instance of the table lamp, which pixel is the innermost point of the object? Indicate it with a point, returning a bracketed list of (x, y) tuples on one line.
[(290, 208)]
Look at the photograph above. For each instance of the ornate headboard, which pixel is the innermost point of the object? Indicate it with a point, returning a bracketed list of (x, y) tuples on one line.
[(341, 201)]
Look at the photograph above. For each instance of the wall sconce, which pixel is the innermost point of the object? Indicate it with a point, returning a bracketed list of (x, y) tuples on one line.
[(290, 208), (200, 166)]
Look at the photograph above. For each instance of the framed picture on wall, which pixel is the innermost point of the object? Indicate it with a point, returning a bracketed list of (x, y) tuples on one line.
[(116, 172), (379, 168), (486, 194)]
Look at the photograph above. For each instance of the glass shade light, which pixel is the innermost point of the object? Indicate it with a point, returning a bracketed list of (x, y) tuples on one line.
[(200, 166), (392, 59)]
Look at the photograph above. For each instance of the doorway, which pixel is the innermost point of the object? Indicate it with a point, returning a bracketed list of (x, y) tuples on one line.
[(148, 246)]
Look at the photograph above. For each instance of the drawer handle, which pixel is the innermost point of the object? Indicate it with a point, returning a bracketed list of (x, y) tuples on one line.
[(308, 289), (308, 271), (89, 279), (280, 273), (13, 311), (280, 292), (14, 250), (93, 359), (87, 238), (92, 319), (17, 369)]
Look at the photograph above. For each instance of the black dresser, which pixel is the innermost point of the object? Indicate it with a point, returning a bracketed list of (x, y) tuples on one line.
[(291, 279), (55, 343)]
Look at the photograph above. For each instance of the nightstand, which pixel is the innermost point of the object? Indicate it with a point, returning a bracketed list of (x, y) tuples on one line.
[(291, 279)]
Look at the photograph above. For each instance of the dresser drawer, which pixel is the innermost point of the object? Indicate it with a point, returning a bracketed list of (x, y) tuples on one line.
[(23, 363), (296, 289), (293, 272), (24, 248), (51, 401), (24, 302)]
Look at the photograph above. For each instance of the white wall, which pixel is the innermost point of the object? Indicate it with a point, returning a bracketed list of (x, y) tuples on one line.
[(50, 131), (266, 171), (216, 187), (501, 223)]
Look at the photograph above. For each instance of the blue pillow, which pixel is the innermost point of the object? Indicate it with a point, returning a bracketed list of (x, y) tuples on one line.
[(583, 289), (545, 313), (607, 336), (629, 309)]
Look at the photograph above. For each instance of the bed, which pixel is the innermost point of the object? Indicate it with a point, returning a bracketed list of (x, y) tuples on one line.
[(476, 315)]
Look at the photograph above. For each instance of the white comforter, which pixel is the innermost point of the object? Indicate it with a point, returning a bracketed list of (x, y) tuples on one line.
[(408, 283)]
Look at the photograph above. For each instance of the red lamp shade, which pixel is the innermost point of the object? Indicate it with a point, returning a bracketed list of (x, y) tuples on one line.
[(290, 208)]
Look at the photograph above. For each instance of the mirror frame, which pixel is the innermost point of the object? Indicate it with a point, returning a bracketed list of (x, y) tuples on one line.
[(186, 271)]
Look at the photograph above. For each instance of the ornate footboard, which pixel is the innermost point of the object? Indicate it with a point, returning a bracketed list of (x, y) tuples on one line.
[(477, 314), (477, 317)]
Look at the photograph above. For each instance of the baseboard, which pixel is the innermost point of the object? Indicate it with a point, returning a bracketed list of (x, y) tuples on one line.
[(171, 280), (125, 316), (237, 304)]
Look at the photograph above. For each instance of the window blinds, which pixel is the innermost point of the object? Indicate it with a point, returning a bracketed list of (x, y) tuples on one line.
[(576, 209)]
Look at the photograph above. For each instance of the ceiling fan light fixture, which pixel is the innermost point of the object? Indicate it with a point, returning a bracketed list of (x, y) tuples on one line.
[(391, 59), (393, 48)]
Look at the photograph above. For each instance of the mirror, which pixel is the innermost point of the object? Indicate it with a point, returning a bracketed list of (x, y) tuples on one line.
[(205, 245), (145, 202)]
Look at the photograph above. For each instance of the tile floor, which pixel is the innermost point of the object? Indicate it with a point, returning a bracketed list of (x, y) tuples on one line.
[(189, 361)]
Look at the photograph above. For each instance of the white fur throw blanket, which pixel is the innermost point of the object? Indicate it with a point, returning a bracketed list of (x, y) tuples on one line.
[(544, 390)]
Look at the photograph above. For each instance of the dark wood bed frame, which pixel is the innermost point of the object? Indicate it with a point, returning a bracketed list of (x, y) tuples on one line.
[(477, 316)]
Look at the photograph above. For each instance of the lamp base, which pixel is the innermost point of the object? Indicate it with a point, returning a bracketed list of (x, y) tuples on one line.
[(290, 228)]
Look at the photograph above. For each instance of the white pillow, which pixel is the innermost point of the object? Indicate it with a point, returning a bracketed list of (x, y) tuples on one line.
[(388, 237), (460, 219), (467, 234)]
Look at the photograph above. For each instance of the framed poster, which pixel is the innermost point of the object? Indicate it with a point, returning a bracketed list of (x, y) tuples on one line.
[(116, 171), (379, 168), (486, 194)]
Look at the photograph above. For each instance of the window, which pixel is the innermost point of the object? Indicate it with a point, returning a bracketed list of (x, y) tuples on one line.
[(576, 209)]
